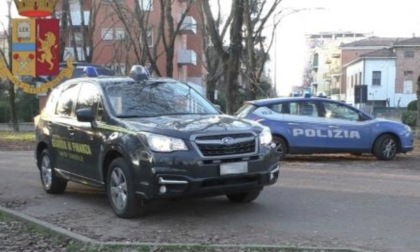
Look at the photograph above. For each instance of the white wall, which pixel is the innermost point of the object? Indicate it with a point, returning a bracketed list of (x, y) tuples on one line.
[(351, 70), (387, 88), (388, 73)]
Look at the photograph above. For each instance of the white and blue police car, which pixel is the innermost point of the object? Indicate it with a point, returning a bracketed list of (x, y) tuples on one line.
[(307, 125)]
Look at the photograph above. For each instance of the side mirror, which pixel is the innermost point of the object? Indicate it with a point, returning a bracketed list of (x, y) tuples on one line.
[(217, 107), (85, 115)]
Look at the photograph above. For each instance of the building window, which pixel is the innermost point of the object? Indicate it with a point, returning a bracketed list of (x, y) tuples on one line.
[(408, 75), (376, 78), (78, 39), (315, 60), (146, 5), (149, 37), (119, 34), (409, 54), (107, 34), (360, 78), (113, 1)]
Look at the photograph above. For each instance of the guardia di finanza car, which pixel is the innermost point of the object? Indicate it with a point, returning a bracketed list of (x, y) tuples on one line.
[(150, 139), (305, 125)]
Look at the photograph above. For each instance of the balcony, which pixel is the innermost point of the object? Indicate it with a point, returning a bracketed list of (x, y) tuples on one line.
[(189, 26), (187, 57)]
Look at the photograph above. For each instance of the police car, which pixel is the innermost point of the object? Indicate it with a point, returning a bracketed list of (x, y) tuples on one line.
[(303, 125), (143, 139)]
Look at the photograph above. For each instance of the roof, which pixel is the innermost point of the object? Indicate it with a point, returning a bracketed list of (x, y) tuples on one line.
[(381, 53), (373, 41), (268, 101), (408, 42)]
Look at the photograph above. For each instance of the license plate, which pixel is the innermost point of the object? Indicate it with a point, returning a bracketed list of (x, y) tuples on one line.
[(233, 168)]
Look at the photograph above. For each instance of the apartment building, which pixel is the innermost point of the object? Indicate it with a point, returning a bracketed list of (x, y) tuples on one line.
[(325, 60), (113, 39)]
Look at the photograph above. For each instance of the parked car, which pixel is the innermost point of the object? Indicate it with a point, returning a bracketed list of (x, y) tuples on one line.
[(149, 139), (305, 125), (79, 67)]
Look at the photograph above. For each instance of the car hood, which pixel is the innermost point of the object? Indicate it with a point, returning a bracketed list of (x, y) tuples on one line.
[(192, 123)]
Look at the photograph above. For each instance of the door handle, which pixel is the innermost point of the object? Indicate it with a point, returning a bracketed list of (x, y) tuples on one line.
[(71, 130), (333, 127), (290, 123)]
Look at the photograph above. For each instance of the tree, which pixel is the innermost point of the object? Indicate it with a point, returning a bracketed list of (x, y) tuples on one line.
[(8, 57), (418, 104), (231, 55), (79, 35), (247, 19), (256, 18), (212, 60), (137, 23)]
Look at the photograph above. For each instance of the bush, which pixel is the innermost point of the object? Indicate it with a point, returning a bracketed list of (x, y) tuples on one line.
[(412, 106), (409, 118)]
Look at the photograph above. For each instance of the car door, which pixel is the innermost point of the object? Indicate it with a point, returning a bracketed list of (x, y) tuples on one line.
[(87, 138), (62, 128), (346, 130), (305, 127)]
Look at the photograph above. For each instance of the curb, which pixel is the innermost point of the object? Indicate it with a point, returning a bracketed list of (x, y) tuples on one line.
[(88, 241)]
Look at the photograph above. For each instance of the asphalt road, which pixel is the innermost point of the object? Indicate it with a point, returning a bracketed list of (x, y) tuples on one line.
[(324, 201)]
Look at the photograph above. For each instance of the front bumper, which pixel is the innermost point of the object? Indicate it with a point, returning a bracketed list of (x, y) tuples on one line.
[(173, 178)]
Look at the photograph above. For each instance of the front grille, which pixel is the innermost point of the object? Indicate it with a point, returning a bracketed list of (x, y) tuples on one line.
[(211, 146)]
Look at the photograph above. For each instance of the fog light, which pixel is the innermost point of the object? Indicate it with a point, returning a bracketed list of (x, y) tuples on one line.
[(272, 176), (162, 189)]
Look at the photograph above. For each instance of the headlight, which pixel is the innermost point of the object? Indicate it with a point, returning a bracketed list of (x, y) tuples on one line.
[(265, 136), (165, 144), (408, 128)]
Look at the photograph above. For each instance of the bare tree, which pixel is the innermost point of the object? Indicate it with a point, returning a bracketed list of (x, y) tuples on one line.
[(231, 55), (138, 27), (79, 35), (11, 89), (418, 105), (256, 17), (212, 61)]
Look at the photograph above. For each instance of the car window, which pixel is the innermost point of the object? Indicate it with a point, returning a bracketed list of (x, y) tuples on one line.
[(279, 108), (339, 111), (67, 100), (89, 97), (156, 99), (52, 102), (245, 110), (304, 108)]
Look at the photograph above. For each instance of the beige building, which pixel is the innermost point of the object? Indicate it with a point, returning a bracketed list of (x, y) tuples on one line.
[(325, 60)]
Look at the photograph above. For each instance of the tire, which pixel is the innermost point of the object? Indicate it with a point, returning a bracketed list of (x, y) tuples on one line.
[(51, 183), (385, 147), (244, 197), (281, 147), (120, 190)]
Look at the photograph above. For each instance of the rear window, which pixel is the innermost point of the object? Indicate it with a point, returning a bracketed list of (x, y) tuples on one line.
[(246, 110)]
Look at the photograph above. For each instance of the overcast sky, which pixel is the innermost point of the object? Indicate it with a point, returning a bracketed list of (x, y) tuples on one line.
[(382, 18)]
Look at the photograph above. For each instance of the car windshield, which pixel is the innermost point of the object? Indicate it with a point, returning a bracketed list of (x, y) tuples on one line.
[(148, 99)]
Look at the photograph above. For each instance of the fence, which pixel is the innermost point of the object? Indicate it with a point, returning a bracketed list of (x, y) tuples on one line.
[(24, 127)]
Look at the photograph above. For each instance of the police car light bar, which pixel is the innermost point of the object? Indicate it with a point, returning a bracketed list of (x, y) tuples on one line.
[(90, 71), (139, 73)]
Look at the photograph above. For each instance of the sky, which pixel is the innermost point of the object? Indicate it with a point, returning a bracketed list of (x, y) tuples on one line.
[(382, 18)]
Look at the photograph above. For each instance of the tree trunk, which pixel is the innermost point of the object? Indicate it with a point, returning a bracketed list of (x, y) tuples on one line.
[(418, 105), (12, 101), (65, 8), (233, 62)]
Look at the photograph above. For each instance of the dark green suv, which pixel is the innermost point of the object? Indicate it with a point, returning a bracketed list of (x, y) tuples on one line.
[(146, 140)]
